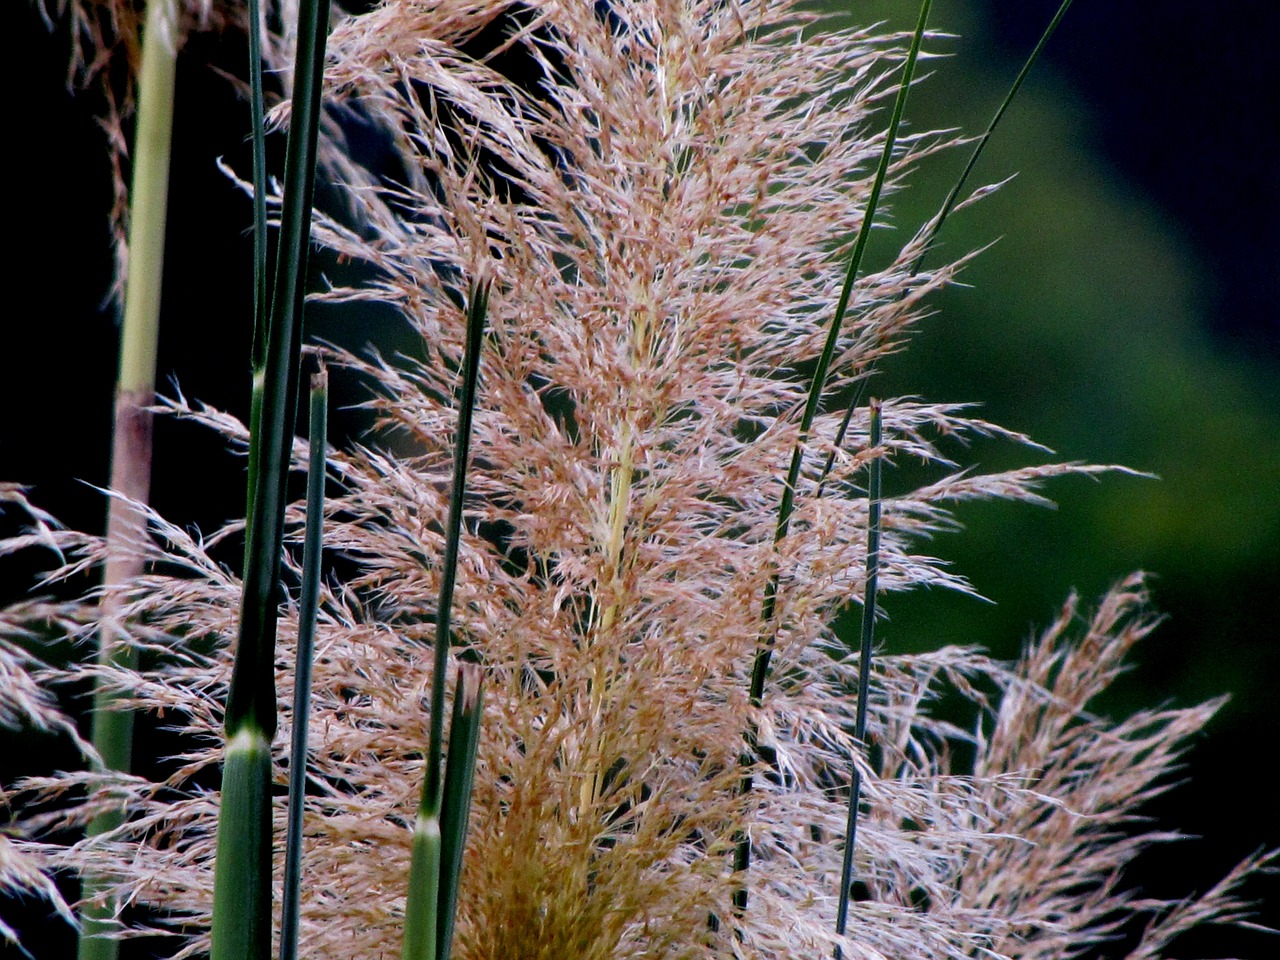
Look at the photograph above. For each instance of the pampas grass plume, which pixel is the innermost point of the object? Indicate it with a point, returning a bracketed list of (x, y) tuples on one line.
[(664, 223)]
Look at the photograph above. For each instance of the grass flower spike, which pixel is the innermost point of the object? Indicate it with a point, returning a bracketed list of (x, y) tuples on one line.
[(662, 207)]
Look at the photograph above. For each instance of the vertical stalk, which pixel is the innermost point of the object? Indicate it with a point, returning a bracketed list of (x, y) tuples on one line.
[(242, 872), (477, 312), (455, 806), (764, 651), (308, 608), (422, 917), (258, 348), (423, 925), (864, 670), (760, 668), (932, 229), (112, 730)]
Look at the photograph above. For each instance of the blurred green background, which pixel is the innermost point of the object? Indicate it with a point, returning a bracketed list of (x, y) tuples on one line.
[(1125, 315)]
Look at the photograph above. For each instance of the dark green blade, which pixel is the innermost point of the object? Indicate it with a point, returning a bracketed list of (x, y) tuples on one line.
[(949, 205), (478, 309), (764, 652), (308, 609), (242, 874), (455, 809), (864, 669)]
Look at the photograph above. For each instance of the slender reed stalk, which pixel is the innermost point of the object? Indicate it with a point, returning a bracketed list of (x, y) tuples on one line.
[(478, 307), (934, 227), (308, 608), (427, 928), (953, 196), (242, 880), (422, 903), (112, 732), (261, 303), (459, 777), (817, 385), (864, 670), (760, 667), (439, 835)]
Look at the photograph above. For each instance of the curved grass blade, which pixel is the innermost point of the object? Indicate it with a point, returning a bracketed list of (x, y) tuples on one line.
[(242, 874), (764, 652), (423, 927), (949, 204), (864, 670), (308, 608)]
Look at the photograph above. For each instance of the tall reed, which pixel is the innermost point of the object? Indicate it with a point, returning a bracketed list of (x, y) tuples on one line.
[(665, 219), (112, 727)]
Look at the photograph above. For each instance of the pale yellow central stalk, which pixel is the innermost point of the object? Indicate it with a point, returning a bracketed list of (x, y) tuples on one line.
[(621, 479)]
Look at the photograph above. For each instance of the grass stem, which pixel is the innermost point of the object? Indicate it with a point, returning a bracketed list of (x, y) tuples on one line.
[(112, 726), (308, 608), (242, 889), (948, 206), (455, 808), (476, 313), (764, 652), (864, 669), (427, 931), (242, 876)]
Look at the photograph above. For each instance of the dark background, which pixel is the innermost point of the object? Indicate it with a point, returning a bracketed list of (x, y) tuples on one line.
[(1127, 314)]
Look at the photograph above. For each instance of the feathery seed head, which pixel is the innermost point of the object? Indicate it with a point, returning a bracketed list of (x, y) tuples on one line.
[(663, 215)]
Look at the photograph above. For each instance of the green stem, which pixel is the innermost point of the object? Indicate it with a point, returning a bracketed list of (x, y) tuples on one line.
[(477, 311), (423, 929), (953, 197), (242, 878), (242, 872), (421, 921), (257, 118), (112, 730), (258, 346), (308, 609), (455, 808), (948, 206), (253, 677), (760, 667), (864, 670)]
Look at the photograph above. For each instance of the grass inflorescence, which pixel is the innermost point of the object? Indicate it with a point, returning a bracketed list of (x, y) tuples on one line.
[(610, 496)]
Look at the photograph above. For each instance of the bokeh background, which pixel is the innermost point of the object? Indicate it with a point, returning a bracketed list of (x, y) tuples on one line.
[(1125, 314)]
